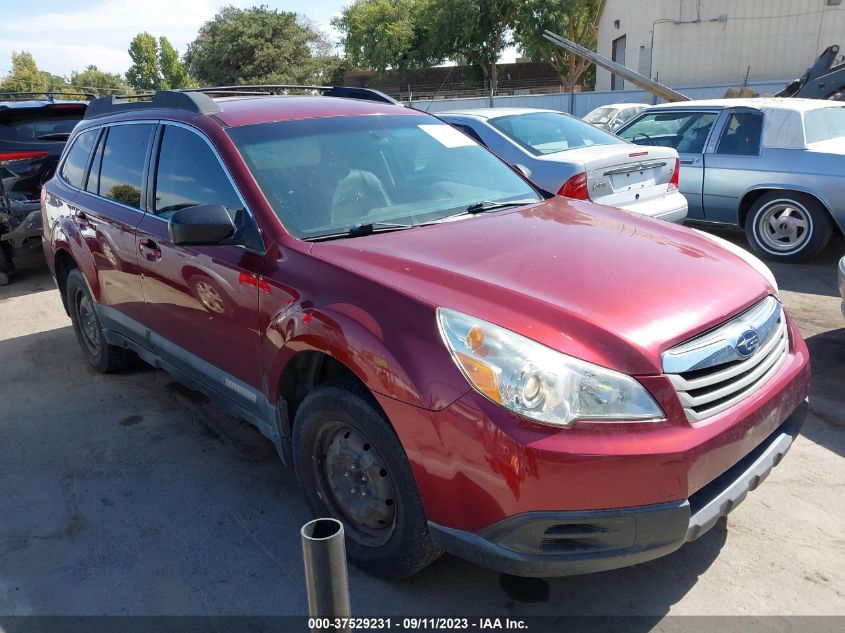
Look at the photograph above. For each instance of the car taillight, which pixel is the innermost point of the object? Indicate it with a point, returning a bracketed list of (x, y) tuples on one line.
[(7, 158), (676, 177), (575, 187)]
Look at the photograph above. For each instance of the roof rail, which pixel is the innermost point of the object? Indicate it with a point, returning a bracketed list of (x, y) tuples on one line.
[(189, 101), (50, 95), (349, 92)]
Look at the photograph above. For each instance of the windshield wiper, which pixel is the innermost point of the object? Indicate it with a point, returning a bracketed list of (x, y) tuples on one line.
[(359, 230), (486, 205)]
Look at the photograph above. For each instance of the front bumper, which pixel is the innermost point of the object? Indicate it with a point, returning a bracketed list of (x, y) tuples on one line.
[(568, 543)]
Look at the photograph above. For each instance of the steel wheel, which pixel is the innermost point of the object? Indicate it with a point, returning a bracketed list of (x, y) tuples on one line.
[(88, 322), (784, 226), (356, 484)]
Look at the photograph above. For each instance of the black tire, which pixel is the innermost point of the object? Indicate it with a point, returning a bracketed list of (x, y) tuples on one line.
[(7, 264), (100, 355), (343, 408), (786, 226)]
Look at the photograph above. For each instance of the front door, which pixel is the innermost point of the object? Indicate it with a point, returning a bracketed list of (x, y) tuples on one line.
[(201, 301)]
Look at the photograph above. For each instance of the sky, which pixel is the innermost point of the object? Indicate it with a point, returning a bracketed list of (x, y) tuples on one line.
[(66, 35)]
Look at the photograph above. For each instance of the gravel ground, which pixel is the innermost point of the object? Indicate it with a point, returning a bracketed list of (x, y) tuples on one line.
[(129, 495)]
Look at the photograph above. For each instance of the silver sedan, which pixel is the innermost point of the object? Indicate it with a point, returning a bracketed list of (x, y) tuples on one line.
[(565, 155), (775, 167)]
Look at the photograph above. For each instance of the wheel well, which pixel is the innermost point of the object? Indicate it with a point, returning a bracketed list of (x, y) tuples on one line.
[(752, 196), (303, 373), (64, 264)]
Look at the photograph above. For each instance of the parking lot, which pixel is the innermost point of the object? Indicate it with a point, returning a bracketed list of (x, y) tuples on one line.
[(127, 494)]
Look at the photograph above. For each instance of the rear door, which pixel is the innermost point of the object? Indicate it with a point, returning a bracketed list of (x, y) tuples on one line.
[(201, 301), (687, 131), (106, 213), (733, 163)]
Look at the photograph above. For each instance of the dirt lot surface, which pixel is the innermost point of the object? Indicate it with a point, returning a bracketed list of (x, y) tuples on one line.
[(127, 494)]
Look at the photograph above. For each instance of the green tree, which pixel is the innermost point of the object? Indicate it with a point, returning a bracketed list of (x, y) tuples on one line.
[(390, 34), (576, 20), (101, 83), (255, 45), (173, 71), (473, 32), (145, 72), (25, 76)]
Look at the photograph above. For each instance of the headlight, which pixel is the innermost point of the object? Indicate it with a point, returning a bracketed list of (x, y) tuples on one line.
[(537, 382)]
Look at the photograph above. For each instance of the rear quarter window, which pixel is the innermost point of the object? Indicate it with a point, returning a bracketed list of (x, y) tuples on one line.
[(73, 169)]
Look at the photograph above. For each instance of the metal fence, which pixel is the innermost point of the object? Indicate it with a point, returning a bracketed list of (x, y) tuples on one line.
[(580, 103)]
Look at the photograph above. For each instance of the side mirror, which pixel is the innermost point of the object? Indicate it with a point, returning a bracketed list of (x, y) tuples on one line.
[(522, 169), (203, 224)]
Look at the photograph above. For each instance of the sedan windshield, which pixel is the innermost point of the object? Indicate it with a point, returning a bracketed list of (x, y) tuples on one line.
[(549, 132), (600, 115), (333, 175), (824, 124)]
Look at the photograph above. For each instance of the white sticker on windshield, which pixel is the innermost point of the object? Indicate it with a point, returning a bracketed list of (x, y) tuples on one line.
[(447, 136)]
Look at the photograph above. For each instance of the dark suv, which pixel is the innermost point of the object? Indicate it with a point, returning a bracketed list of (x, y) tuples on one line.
[(34, 127), (450, 358)]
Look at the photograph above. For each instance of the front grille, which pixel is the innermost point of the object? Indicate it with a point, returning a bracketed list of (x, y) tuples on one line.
[(714, 371)]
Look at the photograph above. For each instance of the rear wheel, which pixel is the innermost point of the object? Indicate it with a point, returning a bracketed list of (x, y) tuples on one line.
[(352, 467), (89, 331), (787, 226)]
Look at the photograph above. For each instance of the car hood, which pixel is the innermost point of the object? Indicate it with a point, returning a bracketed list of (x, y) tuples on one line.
[(608, 286)]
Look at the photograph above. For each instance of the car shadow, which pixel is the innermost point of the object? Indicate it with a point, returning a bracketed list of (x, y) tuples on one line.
[(31, 275), (826, 422)]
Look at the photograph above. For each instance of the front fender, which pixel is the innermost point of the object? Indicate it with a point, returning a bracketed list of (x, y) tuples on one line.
[(354, 338)]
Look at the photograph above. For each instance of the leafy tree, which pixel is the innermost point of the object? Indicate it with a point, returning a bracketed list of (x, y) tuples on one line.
[(256, 45), (173, 71), (25, 76), (576, 20), (145, 72), (397, 34), (101, 83), (474, 32)]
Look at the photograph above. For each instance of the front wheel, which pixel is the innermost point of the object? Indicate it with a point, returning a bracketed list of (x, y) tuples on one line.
[(351, 466), (787, 226)]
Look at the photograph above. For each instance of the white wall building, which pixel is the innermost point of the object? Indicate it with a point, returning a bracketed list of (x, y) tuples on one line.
[(699, 42)]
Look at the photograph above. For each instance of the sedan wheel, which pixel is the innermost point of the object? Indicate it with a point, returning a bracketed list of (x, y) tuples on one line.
[(787, 226)]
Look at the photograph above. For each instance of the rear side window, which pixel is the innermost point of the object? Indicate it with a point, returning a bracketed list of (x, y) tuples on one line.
[(824, 124), (73, 169), (122, 170), (44, 124), (741, 136), (189, 174)]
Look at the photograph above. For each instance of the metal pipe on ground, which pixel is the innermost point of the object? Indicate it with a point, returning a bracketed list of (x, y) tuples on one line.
[(326, 578)]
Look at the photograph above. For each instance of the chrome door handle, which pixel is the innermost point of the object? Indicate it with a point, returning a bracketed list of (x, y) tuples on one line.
[(149, 250)]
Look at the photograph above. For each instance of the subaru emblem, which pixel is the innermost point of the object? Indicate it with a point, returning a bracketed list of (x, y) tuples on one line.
[(747, 343)]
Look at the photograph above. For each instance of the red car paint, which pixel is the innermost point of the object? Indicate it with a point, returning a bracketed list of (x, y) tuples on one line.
[(610, 287)]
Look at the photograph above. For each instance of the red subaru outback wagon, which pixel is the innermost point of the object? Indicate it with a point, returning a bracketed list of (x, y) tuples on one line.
[(450, 359)]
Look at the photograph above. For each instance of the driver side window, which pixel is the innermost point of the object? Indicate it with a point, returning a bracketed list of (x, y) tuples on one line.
[(685, 131), (188, 173)]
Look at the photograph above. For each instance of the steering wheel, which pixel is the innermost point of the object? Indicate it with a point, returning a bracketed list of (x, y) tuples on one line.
[(643, 134)]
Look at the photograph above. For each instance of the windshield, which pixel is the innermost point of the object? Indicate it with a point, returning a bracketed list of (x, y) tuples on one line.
[(549, 132), (600, 115), (824, 124), (328, 175)]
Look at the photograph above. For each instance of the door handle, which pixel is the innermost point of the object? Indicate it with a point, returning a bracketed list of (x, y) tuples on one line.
[(81, 218), (149, 250), (688, 162)]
